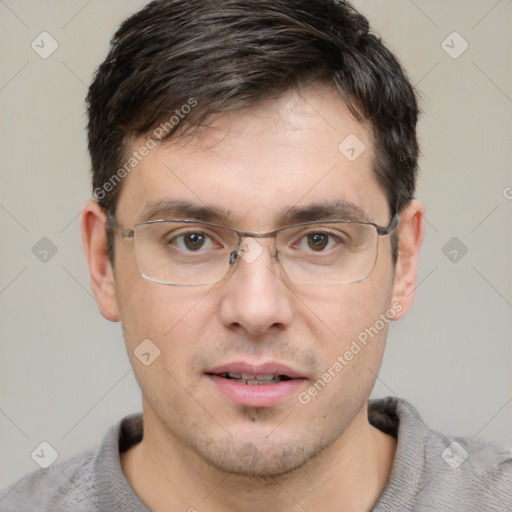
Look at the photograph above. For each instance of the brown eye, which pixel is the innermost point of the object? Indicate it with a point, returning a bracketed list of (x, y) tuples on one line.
[(318, 241), (194, 241)]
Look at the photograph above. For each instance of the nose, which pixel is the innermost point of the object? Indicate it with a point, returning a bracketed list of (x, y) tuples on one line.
[(255, 296)]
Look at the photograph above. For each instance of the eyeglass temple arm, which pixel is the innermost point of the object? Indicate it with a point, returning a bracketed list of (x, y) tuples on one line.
[(390, 227), (111, 224)]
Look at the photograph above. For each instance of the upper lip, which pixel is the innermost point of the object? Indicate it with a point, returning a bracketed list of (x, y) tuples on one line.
[(267, 368)]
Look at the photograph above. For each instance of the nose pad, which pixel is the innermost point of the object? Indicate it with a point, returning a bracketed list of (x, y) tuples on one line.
[(233, 257), (249, 249)]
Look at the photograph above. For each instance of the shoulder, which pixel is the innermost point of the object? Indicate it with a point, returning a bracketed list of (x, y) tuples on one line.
[(483, 457), (92, 480), (64, 484), (435, 471), (480, 469)]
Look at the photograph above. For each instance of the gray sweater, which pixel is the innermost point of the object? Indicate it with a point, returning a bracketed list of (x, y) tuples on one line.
[(431, 472)]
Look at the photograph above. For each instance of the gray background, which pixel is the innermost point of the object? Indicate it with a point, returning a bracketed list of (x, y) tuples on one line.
[(64, 375)]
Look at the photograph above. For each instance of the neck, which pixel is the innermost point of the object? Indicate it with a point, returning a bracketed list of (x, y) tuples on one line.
[(350, 474)]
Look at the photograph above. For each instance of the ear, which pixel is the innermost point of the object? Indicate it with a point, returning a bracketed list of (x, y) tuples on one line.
[(101, 272), (410, 237)]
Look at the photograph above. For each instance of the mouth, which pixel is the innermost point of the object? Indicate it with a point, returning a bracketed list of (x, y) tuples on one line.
[(254, 380), (249, 385)]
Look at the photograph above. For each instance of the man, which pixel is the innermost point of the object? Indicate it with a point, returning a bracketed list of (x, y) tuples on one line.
[(254, 232)]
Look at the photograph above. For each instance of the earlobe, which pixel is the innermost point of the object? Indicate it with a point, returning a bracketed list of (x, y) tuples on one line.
[(410, 237), (100, 269)]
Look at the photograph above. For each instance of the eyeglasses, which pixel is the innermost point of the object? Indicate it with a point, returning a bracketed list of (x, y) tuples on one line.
[(189, 253)]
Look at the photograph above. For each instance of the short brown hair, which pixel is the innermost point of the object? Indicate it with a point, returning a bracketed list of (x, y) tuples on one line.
[(231, 54)]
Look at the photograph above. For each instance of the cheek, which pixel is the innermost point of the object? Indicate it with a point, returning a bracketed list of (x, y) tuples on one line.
[(342, 313), (140, 311), (173, 318), (349, 326), (160, 326), (351, 357)]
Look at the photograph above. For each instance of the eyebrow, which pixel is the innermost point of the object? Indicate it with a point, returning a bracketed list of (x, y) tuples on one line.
[(181, 209), (333, 210), (174, 208)]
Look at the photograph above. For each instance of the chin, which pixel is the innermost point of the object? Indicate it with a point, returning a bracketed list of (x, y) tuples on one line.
[(260, 460)]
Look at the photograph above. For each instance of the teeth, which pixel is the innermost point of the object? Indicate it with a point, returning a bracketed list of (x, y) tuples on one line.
[(252, 380), (245, 376), (269, 376)]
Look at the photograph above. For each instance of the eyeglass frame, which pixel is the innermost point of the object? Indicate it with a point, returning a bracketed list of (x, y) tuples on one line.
[(129, 234)]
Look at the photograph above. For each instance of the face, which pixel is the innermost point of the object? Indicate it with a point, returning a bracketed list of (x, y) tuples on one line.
[(253, 166)]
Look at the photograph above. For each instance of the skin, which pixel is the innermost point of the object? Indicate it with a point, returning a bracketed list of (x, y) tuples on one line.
[(321, 456)]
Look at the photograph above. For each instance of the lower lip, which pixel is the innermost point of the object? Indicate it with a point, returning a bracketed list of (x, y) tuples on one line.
[(257, 395)]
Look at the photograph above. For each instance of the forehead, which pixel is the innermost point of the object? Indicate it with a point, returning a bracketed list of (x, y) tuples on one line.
[(298, 151)]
